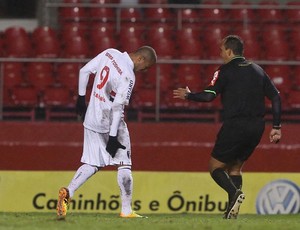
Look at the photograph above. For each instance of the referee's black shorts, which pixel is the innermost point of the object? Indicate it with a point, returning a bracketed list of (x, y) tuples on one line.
[(237, 139)]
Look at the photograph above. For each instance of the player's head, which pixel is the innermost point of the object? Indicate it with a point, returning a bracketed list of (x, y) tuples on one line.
[(231, 46), (143, 58)]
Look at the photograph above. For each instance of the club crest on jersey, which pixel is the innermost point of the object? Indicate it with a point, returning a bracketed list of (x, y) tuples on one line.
[(215, 78)]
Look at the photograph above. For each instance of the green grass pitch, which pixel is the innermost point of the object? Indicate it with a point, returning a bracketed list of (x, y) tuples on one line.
[(83, 221)]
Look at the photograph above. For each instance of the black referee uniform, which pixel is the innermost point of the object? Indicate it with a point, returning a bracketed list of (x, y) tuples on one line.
[(243, 86)]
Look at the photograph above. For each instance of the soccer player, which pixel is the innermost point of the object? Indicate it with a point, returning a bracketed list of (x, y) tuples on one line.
[(106, 137), (243, 86)]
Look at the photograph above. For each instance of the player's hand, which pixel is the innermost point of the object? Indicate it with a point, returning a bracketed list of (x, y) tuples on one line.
[(181, 93), (81, 106), (113, 145), (275, 136)]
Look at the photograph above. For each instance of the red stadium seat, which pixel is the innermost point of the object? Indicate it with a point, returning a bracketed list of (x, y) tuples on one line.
[(58, 103), (131, 30), (41, 32), (40, 74), (294, 99), (193, 50), (17, 42), (280, 75), (252, 49), (242, 14), (24, 100), (277, 51), (214, 13), (72, 13), (68, 74), (165, 73), (159, 14), (212, 38), (274, 32), (190, 15), (76, 47), (190, 75), (131, 44), (102, 43), (187, 33), (294, 39), (293, 15), (158, 31), (165, 48), (13, 74), (131, 15), (47, 47), (102, 13), (268, 13), (73, 29)]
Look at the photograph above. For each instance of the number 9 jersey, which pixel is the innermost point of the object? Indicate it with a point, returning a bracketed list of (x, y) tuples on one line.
[(113, 83)]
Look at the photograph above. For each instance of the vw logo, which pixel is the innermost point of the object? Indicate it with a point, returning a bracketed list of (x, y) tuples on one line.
[(279, 197)]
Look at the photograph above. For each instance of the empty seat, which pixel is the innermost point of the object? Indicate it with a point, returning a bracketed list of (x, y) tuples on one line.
[(190, 75), (292, 14), (73, 13), (193, 50), (242, 14), (73, 29), (279, 50), (43, 31), (249, 34), (68, 74), (13, 74), (102, 13), (268, 13), (58, 103), (187, 33), (165, 48), (76, 47), (131, 44), (131, 31), (280, 75), (158, 31), (294, 99), (159, 14), (24, 100), (189, 15), (103, 43), (17, 42), (215, 13), (40, 74), (131, 15), (47, 47)]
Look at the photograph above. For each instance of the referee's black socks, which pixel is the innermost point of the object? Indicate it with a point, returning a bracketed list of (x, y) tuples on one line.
[(224, 181)]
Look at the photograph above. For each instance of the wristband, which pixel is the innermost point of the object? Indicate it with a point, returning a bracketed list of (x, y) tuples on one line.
[(186, 96), (276, 126)]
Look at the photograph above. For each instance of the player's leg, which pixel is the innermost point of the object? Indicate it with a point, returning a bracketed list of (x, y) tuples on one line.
[(235, 173)]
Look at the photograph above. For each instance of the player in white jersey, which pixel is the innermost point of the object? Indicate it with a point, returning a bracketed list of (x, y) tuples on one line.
[(106, 137)]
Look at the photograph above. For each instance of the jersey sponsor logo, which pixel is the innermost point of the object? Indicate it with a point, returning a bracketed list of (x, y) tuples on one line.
[(279, 197), (129, 90), (215, 78)]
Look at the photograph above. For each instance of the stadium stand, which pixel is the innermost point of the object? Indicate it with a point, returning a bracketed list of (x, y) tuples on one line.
[(178, 34)]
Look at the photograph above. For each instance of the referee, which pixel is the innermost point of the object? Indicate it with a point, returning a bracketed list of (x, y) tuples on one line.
[(243, 86)]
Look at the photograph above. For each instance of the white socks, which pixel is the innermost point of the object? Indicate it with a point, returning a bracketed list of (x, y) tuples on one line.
[(84, 172), (125, 182)]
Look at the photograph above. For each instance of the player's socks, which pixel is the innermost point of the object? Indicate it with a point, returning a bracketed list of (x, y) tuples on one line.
[(223, 180), (125, 183), (237, 180), (83, 173)]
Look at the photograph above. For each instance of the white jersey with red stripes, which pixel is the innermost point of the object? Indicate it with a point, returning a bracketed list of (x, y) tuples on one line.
[(114, 81)]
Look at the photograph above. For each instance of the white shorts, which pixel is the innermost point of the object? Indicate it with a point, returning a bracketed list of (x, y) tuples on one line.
[(94, 144)]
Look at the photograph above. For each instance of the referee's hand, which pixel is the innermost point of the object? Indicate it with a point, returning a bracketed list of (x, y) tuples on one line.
[(181, 93), (275, 135), (113, 145)]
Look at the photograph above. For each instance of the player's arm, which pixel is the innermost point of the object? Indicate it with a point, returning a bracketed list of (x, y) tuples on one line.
[(273, 95), (84, 74)]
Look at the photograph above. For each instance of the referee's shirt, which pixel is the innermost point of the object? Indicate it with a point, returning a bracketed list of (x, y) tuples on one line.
[(243, 86)]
